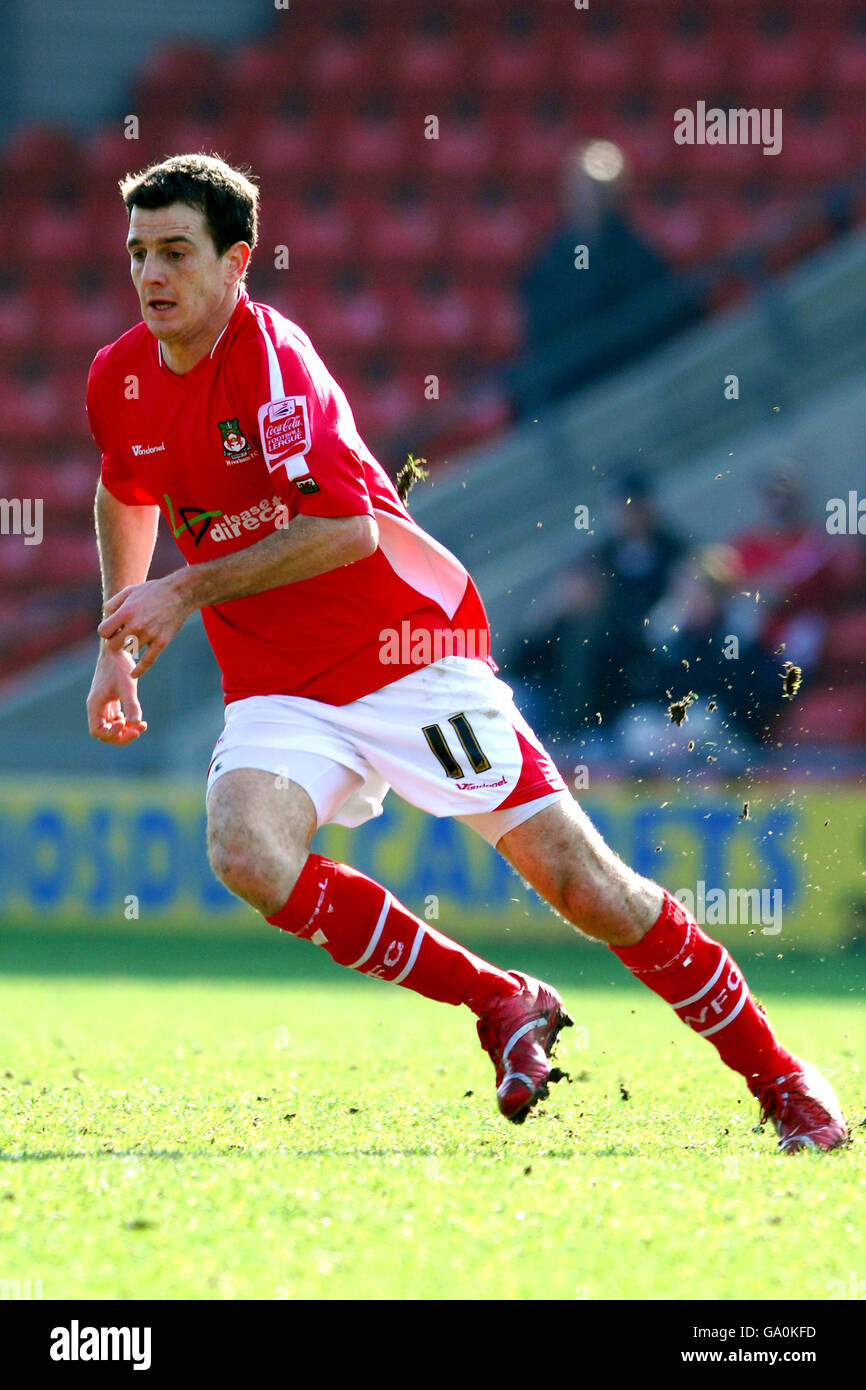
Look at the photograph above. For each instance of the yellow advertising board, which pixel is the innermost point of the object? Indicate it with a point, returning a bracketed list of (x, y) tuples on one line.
[(130, 854)]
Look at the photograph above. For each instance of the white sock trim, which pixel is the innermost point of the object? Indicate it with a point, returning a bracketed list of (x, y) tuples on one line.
[(413, 956), (708, 985), (708, 1032), (377, 932)]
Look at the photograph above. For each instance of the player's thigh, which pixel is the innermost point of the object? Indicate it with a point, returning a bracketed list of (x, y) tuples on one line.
[(562, 855), (258, 823)]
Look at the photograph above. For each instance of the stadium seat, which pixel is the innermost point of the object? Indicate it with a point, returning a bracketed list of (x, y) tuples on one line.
[(686, 63), (432, 319), (180, 78), (255, 81), (492, 240), (773, 68), (498, 330), (424, 65), (531, 151), (464, 151), (338, 65), (836, 715), (370, 148), (41, 158), (322, 237), (405, 235), (285, 151), (510, 65), (595, 63), (844, 64), (813, 152)]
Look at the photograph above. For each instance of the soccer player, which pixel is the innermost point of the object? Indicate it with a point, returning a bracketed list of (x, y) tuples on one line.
[(354, 654)]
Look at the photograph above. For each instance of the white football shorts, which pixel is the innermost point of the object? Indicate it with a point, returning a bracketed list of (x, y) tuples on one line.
[(447, 737)]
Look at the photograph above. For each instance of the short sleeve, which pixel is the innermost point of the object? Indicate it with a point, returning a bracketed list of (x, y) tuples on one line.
[(115, 474), (311, 445)]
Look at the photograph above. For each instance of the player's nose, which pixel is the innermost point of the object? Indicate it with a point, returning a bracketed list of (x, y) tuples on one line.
[(152, 271)]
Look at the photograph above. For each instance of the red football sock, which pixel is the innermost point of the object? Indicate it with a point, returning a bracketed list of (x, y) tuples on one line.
[(360, 924), (699, 979)]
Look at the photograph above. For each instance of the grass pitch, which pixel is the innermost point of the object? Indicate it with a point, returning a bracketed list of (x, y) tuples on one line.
[(194, 1120)]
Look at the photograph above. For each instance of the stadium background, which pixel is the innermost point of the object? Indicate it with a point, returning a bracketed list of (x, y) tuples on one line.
[(407, 259)]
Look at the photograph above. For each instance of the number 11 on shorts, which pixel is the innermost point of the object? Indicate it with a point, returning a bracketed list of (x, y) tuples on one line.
[(471, 747)]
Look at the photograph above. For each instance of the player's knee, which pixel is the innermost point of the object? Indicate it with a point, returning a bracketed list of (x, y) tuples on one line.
[(254, 871)]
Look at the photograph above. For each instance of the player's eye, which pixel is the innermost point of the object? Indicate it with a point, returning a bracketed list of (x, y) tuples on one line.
[(176, 255)]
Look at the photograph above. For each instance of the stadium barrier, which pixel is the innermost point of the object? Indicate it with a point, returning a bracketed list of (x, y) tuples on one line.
[(131, 855)]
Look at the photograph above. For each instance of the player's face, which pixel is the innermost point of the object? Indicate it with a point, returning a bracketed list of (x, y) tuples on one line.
[(183, 285)]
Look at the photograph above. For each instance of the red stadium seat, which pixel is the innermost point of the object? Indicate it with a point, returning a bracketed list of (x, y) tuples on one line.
[(684, 231), (833, 716), (533, 151), (178, 77), (368, 147), (432, 320), (844, 64), (492, 241), (771, 69), (341, 65), (648, 145), (514, 66), (353, 322), (283, 152), (685, 63), (499, 331), (41, 158), (426, 67), (17, 323), (408, 236), (463, 152), (591, 62), (813, 152), (320, 237), (381, 410)]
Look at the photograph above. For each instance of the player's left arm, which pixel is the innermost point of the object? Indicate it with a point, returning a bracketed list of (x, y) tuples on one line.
[(155, 611)]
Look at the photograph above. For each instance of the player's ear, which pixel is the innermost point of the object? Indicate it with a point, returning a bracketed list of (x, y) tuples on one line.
[(237, 258)]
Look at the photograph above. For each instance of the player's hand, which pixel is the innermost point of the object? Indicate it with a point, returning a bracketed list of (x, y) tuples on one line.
[(113, 711), (142, 616)]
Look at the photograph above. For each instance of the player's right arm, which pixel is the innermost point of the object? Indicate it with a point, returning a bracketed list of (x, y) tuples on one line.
[(126, 536)]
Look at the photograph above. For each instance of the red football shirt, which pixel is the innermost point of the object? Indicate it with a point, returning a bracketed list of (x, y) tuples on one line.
[(256, 433)]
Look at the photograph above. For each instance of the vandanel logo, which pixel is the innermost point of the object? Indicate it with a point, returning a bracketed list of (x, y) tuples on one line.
[(190, 518)]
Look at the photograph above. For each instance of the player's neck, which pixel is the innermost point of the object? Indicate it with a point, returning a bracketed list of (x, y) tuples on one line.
[(180, 357)]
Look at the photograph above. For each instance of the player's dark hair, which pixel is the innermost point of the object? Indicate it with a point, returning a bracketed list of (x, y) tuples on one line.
[(228, 198)]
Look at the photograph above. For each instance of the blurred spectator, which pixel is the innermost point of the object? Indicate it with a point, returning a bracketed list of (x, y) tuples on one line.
[(690, 647), (590, 655), (800, 573), (582, 323)]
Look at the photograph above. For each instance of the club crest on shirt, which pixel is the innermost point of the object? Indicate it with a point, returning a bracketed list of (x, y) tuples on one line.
[(236, 446)]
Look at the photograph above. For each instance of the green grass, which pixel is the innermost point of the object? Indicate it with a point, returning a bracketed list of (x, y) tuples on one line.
[(146, 1152)]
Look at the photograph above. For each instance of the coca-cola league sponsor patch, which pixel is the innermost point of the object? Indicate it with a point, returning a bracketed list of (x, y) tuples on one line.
[(284, 427)]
